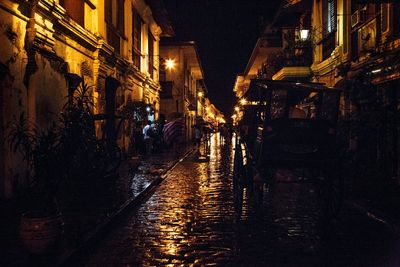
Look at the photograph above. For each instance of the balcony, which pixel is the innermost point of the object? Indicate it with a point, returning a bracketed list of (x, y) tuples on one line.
[(294, 62), (365, 40)]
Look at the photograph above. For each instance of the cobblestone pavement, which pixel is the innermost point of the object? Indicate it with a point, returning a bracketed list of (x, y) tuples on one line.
[(195, 219), (86, 205)]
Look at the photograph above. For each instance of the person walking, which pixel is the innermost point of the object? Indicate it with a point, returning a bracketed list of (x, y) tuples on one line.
[(174, 134), (147, 137), (197, 136)]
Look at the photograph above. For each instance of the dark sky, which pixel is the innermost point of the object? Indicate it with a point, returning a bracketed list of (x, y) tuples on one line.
[(225, 32)]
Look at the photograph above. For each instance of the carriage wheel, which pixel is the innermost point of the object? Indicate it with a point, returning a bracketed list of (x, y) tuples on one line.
[(331, 193)]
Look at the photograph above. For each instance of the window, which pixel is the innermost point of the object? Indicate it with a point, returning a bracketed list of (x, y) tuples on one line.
[(385, 17), (137, 38), (120, 17), (151, 54), (328, 27), (75, 9), (396, 18), (329, 16), (115, 19), (345, 27)]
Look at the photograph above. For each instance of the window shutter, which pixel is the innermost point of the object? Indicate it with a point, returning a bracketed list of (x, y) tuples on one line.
[(151, 54), (75, 9), (121, 17), (136, 36), (108, 11), (329, 16)]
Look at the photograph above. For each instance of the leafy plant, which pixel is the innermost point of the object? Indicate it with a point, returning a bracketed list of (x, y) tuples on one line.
[(78, 138), (40, 150)]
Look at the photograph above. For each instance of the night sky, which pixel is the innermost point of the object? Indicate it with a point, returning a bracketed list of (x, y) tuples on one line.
[(225, 32)]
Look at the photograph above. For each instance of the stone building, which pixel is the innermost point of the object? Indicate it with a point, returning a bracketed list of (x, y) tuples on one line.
[(48, 46), (348, 44), (182, 81)]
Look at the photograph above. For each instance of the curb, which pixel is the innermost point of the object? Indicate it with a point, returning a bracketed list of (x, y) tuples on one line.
[(102, 228), (375, 216)]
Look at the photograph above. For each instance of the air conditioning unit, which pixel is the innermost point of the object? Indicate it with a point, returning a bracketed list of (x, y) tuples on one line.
[(358, 17)]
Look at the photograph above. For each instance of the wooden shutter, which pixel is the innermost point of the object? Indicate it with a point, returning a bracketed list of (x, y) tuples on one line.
[(120, 17), (328, 16), (137, 37), (151, 54), (75, 9), (108, 11)]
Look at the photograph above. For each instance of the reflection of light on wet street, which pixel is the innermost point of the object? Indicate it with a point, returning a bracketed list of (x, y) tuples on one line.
[(199, 217)]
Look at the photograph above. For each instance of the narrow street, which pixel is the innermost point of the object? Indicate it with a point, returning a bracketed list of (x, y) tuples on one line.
[(191, 220)]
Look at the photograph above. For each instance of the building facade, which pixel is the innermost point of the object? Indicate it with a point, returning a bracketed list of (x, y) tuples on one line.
[(47, 46), (348, 44), (182, 81)]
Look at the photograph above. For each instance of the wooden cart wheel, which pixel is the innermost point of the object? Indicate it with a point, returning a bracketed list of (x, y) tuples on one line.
[(331, 193)]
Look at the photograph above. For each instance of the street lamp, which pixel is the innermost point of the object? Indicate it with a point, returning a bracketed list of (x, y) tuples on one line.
[(304, 34), (237, 109), (169, 64), (200, 94), (243, 101)]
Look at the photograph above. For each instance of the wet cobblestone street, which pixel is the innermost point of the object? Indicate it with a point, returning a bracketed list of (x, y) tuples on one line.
[(194, 218)]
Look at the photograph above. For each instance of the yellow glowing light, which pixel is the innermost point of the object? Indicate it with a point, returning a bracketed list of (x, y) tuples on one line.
[(234, 116), (243, 101), (237, 109), (200, 94), (304, 34), (169, 64), (207, 108)]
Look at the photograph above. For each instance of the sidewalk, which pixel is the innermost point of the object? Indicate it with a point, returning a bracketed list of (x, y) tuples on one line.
[(88, 213), (380, 203)]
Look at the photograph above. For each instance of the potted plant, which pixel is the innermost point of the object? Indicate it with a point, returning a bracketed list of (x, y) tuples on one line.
[(41, 223)]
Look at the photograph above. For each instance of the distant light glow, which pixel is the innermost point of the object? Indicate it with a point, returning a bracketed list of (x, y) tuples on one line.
[(243, 101), (169, 64), (376, 71), (237, 109), (148, 109), (200, 94)]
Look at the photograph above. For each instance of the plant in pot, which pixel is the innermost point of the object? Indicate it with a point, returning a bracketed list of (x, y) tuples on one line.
[(41, 223), (78, 137)]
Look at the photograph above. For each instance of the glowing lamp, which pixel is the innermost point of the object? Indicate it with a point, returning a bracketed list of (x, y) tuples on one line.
[(304, 34), (169, 64)]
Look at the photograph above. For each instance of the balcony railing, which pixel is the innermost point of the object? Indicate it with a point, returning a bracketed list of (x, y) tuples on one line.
[(296, 51), (365, 39)]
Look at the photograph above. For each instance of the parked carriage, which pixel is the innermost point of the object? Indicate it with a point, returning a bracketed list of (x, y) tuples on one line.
[(293, 128)]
